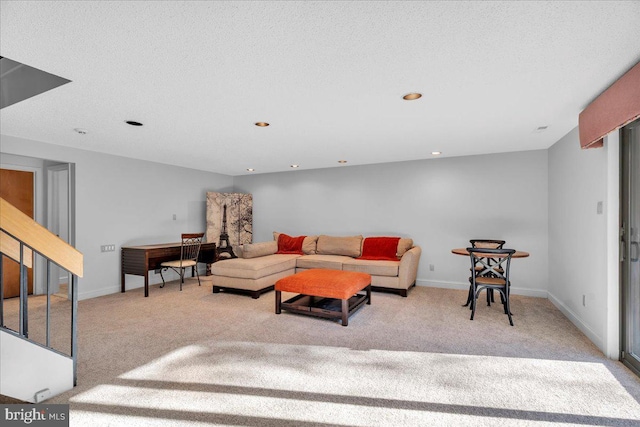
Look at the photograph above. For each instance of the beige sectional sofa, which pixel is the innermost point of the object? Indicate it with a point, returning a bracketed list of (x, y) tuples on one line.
[(258, 266)]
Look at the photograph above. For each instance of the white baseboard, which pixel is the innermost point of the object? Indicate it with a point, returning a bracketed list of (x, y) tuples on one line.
[(442, 284), (538, 293), (99, 292), (131, 283), (592, 335)]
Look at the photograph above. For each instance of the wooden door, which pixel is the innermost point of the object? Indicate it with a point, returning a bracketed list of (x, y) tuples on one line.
[(16, 187)]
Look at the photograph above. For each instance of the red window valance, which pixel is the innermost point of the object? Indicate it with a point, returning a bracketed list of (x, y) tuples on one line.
[(614, 108)]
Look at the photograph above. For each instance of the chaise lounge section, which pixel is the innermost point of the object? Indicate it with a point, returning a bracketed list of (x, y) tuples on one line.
[(391, 262)]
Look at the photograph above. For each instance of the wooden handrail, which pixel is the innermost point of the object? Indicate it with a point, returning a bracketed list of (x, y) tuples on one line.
[(11, 247), (39, 238)]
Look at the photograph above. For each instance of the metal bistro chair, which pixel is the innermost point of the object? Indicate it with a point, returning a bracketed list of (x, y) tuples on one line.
[(189, 251), (494, 276), (486, 244)]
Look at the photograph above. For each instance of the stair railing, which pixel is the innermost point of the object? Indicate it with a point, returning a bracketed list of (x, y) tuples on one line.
[(20, 238)]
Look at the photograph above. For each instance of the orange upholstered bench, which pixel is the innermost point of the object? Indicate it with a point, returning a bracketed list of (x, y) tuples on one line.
[(322, 292)]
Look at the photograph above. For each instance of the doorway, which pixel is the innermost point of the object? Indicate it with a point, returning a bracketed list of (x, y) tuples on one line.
[(17, 188), (630, 246), (59, 220)]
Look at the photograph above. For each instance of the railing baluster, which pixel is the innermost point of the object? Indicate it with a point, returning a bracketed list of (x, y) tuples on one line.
[(24, 315), (48, 301), (74, 326)]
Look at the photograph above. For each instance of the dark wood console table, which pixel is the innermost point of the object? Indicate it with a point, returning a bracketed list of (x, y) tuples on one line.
[(139, 260)]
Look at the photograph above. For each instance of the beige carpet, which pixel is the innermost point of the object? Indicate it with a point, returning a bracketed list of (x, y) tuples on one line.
[(195, 358)]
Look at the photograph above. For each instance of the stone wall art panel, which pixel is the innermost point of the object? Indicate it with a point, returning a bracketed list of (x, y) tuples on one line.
[(229, 221)]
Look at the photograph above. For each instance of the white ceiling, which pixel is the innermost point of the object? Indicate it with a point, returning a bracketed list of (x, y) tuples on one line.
[(328, 76)]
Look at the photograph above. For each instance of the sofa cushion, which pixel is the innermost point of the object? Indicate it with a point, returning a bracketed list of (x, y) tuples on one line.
[(403, 246), (330, 262), (380, 248), (255, 250), (308, 244), (239, 250), (251, 285), (253, 268), (348, 246), (374, 268), (290, 245)]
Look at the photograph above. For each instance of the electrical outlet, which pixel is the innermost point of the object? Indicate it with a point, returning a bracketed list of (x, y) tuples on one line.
[(42, 395), (175, 217), (431, 267), (584, 300), (599, 208)]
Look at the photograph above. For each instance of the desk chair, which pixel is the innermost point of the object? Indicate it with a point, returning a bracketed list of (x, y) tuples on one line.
[(189, 251), (495, 275)]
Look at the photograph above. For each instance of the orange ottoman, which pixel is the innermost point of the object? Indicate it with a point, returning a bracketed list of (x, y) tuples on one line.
[(332, 294)]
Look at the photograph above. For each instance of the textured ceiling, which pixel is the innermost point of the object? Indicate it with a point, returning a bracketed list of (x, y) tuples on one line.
[(328, 76)]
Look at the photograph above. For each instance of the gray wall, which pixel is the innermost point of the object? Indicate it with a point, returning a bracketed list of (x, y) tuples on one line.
[(578, 234), (543, 202), (440, 203), (125, 201)]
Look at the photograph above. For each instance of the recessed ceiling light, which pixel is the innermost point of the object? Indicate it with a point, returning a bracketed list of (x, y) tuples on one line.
[(436, 153), (262, 124), (295, 166), (250, 169), (80, 131), (342, 161), (412, 96), (133, 123)]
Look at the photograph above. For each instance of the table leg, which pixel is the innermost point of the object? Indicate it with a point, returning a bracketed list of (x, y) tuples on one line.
[(345, 312), (146, 285), (368, 288), (278, 301), (122, 282)]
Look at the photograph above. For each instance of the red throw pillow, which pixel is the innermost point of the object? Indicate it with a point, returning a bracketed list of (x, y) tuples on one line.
[(290, 245), (380, 248)]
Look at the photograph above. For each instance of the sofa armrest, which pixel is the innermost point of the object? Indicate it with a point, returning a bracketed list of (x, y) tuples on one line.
[(408, 270)]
